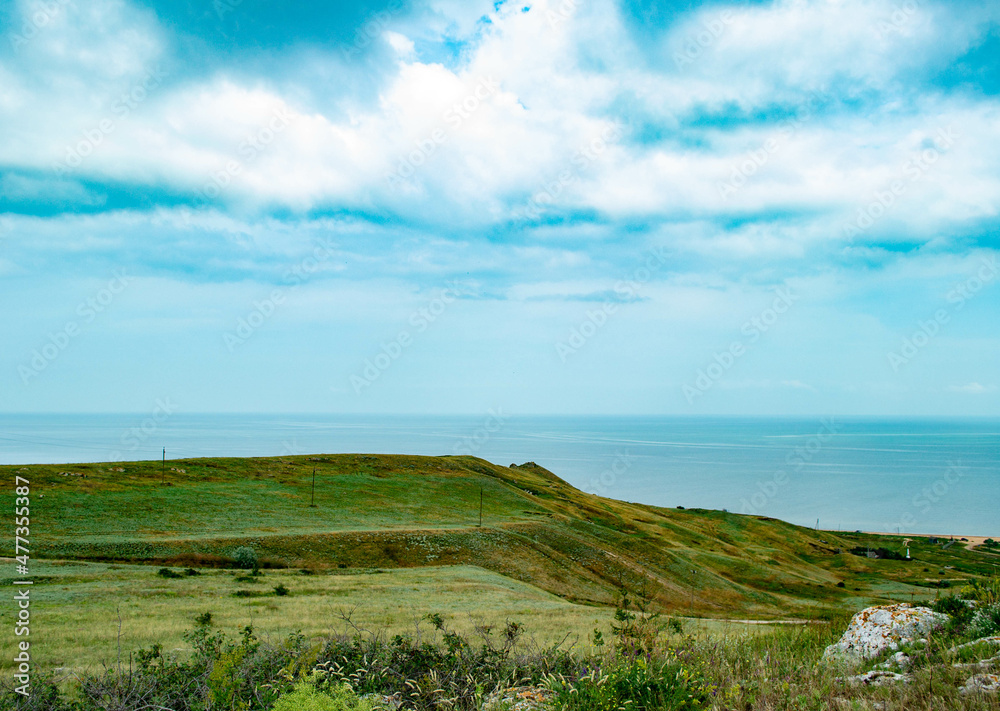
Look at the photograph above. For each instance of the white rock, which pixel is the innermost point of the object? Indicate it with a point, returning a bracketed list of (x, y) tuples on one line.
[(884, 627), (981, 683), (899, 659), (995, 639), (878, 678)]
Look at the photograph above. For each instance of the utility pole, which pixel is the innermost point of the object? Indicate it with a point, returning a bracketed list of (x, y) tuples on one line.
[(312, 503), (480, 507), (163, 467)]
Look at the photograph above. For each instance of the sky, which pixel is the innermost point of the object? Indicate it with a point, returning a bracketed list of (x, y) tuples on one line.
[(450, 206)]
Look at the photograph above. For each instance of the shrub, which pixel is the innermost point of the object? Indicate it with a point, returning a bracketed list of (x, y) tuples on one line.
[(280, 590), (204, 619), (955, 607), (246, 558), (983, 590), (636, 683), (191, 571), (985, 622), (167, 573), (306, 697)]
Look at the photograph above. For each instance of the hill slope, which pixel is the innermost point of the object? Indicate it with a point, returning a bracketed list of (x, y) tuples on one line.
[(404, 511)]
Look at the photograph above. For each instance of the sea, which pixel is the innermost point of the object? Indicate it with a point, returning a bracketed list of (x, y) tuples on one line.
[(933, 476)]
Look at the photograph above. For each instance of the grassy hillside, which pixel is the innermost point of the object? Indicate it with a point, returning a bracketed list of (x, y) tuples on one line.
[(385, 511)]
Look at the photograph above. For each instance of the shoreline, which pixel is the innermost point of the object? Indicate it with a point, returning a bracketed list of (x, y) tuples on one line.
[(967, 540)]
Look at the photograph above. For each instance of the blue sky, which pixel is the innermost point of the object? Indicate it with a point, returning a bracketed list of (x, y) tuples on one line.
[(447, 206)]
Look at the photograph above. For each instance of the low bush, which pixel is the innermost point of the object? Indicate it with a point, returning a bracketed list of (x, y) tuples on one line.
[(306, 697), (246, 558), (985, 622), (955, 607), (631, 683)]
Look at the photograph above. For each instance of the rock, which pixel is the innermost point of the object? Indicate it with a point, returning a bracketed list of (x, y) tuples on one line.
[(519, 698), (983, 664), (981, 684), (995, 639), (884, 627), (876, 677), (899, 659)]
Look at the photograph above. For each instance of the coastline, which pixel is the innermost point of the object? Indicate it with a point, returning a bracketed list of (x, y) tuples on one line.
[(967, 540)]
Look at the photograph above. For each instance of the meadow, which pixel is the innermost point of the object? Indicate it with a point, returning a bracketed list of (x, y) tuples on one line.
[(134, 556)]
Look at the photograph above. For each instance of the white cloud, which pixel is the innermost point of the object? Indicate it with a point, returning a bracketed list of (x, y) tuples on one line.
[(973, 389), (553, 88)]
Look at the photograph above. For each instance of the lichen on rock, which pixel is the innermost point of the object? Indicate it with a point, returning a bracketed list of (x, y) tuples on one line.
[(875, 629)]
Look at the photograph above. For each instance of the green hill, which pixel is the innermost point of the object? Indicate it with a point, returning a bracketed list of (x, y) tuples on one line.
[(388, 511)]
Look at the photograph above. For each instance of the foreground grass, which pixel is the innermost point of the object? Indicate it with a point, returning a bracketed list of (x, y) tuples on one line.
[(86, 613), (636, 664), (80, 608)]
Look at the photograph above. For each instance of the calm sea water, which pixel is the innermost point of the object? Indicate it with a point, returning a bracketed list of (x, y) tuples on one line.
[(928, 476)]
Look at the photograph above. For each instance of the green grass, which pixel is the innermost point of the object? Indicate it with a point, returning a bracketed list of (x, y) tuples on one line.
[(388, 511), (77, 607)]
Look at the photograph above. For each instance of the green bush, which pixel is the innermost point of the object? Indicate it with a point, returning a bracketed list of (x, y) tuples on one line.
[(955, 607), (246, 558), (983, 590), (306, 697), (985, 622), (167, 573), (631, 683), (280, 590)]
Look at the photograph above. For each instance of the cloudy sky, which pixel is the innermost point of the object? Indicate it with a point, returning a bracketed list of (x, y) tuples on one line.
[(562, 206)]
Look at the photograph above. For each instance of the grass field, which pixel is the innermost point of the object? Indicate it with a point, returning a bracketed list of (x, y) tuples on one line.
[(80, 608), (547, 555)]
